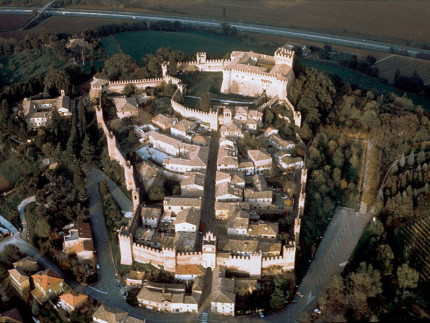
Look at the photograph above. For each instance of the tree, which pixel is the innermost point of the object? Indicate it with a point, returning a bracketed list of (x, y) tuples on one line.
[(402, 161), (280, 295), (366, 280), (156, 193), (407, 276), (129, 89), (411, 158), (376, 227), (42, 228), (172, 67), (205, 103), (421, 156), (59, 80), (88, 151), (384, 256)]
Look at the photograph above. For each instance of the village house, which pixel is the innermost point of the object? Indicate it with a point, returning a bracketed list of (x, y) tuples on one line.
[(223, 298), (222, 177), (238, 180), (20, 281), (258, 199), (246, 247), (189, 272), (241, 113), (192, 184), (150, 216), (108, 314), (238, 223), (167, 298), (176, 204), (232, 129), (71, 301), (150, 174), (251, 124), (187, 157), (201, 140), (271, 137), (126, 107), (38, 113), (79, 241), (136, 278), (47, 284), (226, 161), (247, 167), (264, 230), (261, 159), (164, 122), (257, 116), (187, 220), (224, 210), (27, 264), (183, 129), (225, 192), (285, 161)]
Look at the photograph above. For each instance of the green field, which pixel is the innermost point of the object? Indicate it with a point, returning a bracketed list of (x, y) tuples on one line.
[(23, 66), (138, 44)]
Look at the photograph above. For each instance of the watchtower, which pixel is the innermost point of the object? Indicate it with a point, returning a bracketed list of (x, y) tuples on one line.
[(209, 250), (284, 56), (201, 57)]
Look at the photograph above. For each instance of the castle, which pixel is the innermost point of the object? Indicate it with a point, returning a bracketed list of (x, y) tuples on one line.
[(245, 73)]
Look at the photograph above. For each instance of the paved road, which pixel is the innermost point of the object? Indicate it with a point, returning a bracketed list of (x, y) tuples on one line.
[(9, 226), (262, 29), (208, 199)]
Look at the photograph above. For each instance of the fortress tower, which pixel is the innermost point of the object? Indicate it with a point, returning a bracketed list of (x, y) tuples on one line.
[(125, 241), (209, 250), (164, 66), (201, 57), (284, 56)]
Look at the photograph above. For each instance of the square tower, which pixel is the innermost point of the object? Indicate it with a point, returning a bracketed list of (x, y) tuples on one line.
[(209, 250), (201, 57)]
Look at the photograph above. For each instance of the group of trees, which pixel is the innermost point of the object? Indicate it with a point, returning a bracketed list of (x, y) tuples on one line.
[(122, 66)]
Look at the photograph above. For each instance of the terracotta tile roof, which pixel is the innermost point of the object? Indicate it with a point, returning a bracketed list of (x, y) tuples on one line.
[(73, 299), (47, 279), (110, 314), (164, 120), (259, 155), (189, 270), (18, 274), (183, 126), (84, 230)]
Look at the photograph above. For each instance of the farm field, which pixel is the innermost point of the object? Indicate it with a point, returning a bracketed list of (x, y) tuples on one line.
[(404, 22), (406, 65), (22, 66), (11, 22)]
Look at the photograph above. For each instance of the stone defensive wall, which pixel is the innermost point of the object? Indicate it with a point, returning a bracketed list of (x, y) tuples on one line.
[(244, 264), (115, 153), (297, 115), (118, 86), (209, 117), (189, 258), (215, 65), (286, 261), (165, 257)]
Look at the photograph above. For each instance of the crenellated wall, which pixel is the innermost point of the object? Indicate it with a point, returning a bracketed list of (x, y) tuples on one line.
[(189, 258), (296, 114), (208, 117)]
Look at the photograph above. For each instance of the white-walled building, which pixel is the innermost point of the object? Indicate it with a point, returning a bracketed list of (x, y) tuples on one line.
[(150, 216)]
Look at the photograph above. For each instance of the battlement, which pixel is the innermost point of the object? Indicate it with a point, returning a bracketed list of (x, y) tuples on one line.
[(283, 52), (218, 61), (234, 257), (274, 77), (147, 248), (152, 80), (273, 258), (188, 254)]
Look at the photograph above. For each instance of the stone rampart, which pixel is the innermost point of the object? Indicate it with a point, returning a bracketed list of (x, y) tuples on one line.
[(208, 117), (296, 114), (145, 255), (189, 258), (118, 86)]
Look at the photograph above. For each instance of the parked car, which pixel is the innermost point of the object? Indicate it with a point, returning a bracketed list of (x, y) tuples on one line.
[(261, 314)]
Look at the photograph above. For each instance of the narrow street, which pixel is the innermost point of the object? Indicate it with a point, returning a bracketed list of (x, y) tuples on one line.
[(208, 198)]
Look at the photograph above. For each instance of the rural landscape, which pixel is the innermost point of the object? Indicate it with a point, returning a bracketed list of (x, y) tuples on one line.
[(205, 161)]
